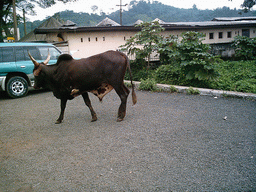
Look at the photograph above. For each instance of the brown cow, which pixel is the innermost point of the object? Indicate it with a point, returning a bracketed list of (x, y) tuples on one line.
[(98, 74)]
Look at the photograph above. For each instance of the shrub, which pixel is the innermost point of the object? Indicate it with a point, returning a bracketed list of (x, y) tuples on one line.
[(173, 89), (167, 74), (245, 47), (191, 91), (236, 76), (197, 63), (246, 85), (148, 85)]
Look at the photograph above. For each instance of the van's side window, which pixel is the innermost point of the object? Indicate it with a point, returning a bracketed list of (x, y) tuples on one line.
[(53, 52), (1, 55), (34, 52), (7, 54), (19, 54)]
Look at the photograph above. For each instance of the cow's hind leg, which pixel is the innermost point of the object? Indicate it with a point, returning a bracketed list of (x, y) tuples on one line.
[(123, 93), (63, 103), (88, 103)]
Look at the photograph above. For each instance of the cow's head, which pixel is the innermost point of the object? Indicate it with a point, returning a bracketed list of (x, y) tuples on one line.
[(38, 73)]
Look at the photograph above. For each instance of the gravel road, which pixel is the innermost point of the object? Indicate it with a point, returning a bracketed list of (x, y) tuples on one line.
[(167, 142)]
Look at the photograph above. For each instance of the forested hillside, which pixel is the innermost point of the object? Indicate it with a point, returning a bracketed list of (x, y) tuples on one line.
[(145, 11)]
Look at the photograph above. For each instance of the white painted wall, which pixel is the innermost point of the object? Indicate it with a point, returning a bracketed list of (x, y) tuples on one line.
[(85, 44)]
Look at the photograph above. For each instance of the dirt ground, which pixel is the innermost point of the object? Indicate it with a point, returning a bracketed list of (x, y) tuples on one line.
[(167, 142)]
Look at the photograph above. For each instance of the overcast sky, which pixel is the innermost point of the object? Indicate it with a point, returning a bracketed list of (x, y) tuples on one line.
[(109, 6)]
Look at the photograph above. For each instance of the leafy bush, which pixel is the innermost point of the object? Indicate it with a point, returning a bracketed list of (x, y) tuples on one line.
[(168, 74), (173, 89), (246, 85), (197, 63), (148, 85), (236, 76), (191, 91), (168, 50), (245, 47)]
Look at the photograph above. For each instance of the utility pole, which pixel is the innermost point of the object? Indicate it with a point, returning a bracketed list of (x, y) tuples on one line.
[(121, 10), (15, 26), (24, 20)]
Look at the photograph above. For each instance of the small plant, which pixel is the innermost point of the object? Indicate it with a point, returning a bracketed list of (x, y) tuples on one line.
[(191, 91), (148, 85), (128, 84), (173, 89)]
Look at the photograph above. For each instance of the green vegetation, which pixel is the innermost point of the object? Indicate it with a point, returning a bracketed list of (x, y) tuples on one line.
[(245, 48), (189, 63), (191, 91), (143, 43), (148, 85), (236, 76), (233, 76), (173, 89)]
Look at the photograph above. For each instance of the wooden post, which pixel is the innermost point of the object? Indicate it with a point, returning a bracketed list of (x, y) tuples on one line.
[(15, 26), (24, 20)]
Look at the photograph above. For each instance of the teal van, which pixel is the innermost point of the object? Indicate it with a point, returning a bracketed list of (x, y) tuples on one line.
[(16, 68)]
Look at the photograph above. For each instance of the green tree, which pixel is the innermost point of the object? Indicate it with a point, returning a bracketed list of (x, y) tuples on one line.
[(197, 64), (248, 4), (245, 47), (6, 11), (168, 50), (187, 62), (145, 42)]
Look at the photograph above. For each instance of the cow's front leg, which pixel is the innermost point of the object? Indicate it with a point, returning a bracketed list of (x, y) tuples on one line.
[(63, 103), (88, 103)]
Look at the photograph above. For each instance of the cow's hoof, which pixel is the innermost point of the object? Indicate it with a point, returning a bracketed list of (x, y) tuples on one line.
[(94, 119), (58, 122), (119, 119)]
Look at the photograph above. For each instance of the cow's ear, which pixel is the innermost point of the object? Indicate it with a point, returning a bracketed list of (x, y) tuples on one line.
[(37, 71)]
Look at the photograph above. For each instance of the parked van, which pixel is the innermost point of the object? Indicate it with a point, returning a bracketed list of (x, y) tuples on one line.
[(16, 68)]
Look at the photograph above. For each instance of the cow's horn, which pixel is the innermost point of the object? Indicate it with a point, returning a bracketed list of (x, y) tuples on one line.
[(48, 58), (33, 60)]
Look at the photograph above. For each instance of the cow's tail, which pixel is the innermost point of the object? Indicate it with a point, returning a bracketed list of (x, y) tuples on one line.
[(134, 97)]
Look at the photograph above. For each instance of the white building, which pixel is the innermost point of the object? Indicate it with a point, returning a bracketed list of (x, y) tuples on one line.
[(109, 35)]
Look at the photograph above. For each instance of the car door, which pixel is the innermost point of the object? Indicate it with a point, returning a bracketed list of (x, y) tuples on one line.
[(7, 61), (23, 61)]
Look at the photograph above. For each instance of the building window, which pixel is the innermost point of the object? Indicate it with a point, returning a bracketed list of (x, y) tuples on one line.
[(104, 39), (89, 39), (246, 32), (82, 40), (229, 34), (220, 35), (124, 38), (96, 38), (211, 35)]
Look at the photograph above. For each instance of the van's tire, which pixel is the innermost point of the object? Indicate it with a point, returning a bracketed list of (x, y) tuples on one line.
[(17, 87)]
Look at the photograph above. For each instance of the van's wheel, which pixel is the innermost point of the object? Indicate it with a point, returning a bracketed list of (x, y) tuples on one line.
[(17, 87)]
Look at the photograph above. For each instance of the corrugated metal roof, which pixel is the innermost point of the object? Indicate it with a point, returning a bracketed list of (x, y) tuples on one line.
[(50, 23), (233, 18), (138, 22), (159, 21), (110, 25), (107, 23), (211, 23), (69, 23)]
